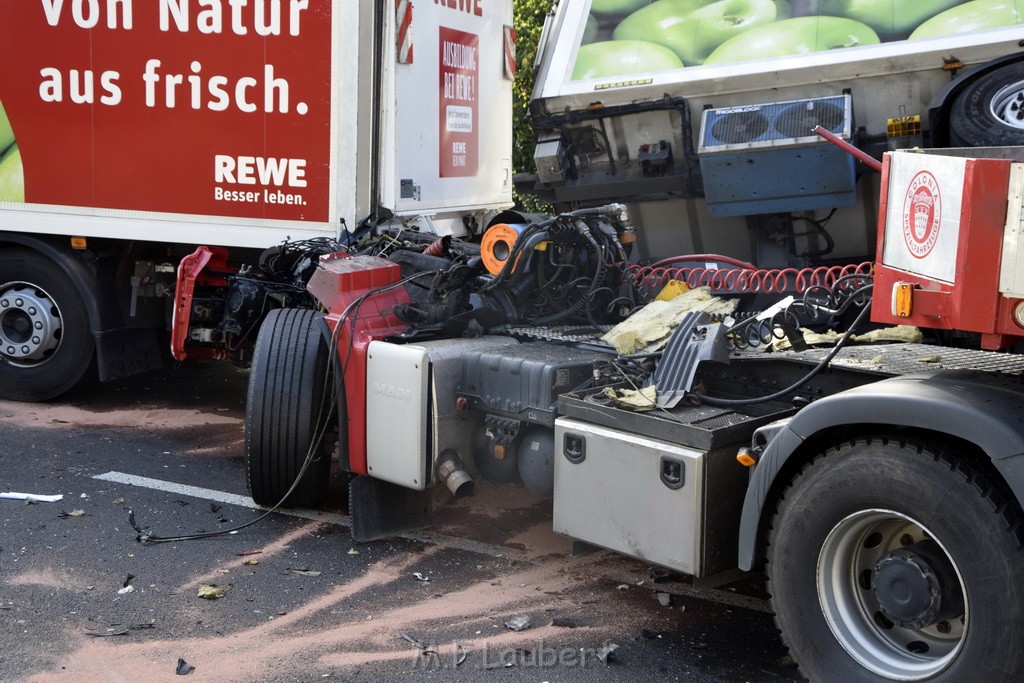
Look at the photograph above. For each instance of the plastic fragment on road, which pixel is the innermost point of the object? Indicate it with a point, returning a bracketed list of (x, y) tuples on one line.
[(605, 653), (126, 590), (108, 633), (184, 668), (520, 622), (305, 572), (665, 599), (212, 591), (34, 497), (353, 551), (420, 576), (417, 643)]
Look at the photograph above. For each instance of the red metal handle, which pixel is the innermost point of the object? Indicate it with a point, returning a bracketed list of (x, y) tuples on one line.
[(849, 149)]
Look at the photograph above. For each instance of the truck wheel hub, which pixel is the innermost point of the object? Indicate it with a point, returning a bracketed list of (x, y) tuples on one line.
[(906, 588), (1008, 105), (30, 326), (911, 583)]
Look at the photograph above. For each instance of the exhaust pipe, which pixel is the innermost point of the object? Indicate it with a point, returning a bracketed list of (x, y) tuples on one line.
[(450, 470)]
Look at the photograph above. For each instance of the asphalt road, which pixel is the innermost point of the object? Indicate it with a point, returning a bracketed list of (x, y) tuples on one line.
[(81, 599)]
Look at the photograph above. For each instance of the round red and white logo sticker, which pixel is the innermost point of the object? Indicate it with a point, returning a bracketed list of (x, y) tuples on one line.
[(922, 212)]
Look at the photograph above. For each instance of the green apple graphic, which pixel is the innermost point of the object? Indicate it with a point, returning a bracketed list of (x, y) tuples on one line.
[(6, 133), (977, 15), (622, 58), (797, 36), (12, 180), (694, 28), (590, 30), (616, 6), (889, 18)]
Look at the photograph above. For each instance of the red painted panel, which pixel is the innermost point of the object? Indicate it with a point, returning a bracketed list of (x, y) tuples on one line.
[(137, 138)]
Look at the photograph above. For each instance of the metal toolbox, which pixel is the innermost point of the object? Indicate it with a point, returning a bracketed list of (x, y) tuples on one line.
[(671, 505)]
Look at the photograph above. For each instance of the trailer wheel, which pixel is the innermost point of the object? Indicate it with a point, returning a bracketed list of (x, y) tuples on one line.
[(46, 346), (895, 561), (990, 110), (288, 411)]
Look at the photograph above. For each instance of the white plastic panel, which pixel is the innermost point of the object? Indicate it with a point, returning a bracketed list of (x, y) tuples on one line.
[(397, 420)]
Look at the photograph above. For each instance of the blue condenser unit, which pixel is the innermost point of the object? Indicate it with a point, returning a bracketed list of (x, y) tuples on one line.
[(764, 158)]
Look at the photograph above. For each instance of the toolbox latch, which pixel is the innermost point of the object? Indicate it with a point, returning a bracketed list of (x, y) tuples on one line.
[(673, 473), (574, 448)]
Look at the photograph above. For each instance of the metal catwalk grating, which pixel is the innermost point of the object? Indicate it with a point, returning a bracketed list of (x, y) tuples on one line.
[(905, 359)]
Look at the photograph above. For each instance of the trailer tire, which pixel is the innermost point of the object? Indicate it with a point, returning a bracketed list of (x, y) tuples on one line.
[(983, 114), (898, 561), (288, 412), (46, 346)]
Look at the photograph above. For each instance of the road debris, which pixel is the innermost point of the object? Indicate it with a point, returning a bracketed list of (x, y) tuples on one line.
[(665, 599), (126, 590), (34, 497), (305, 572), (420, 576), (605, 653), (184, 668), (74, 513), (111, 631), (417, 643), (353, 551), (213, 591), (520, 622), (246, 553)]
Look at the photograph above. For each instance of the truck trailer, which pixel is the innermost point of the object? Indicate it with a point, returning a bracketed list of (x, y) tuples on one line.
[(134, 131), (644, 355)]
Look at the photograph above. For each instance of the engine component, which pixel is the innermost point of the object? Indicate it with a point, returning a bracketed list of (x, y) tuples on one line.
[(497, 243), (535, 454), (495, 461), (525, 386), (244, 303)]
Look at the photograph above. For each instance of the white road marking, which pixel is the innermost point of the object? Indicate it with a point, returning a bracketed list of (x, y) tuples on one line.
[(218, 496)]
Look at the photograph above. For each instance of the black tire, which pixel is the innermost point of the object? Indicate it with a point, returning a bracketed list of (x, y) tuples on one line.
[(287, 409), (46, 346), (983, 114), (855, 558)]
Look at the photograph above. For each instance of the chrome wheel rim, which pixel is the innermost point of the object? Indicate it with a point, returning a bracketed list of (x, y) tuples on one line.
[(1008, 105), (31, 325), (878, 572)]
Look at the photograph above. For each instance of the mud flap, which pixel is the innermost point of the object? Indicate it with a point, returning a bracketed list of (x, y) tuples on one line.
[(380, 509)]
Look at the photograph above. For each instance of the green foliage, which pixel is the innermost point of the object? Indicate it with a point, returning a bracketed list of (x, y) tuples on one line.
[(529, 20)]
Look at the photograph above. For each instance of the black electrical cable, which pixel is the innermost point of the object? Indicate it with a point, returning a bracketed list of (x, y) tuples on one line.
[(727, 402), (320, 430)]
